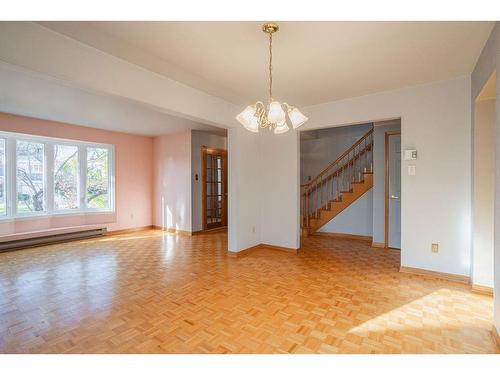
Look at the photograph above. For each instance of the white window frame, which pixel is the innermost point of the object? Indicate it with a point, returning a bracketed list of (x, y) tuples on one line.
[(49, 143), (5, 192), (14, 188), (111, 179)]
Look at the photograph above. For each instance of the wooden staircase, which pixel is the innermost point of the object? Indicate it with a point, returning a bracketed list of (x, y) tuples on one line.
[(340, 184)]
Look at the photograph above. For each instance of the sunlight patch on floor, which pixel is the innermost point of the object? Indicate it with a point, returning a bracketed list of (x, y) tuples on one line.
[(431, 312)]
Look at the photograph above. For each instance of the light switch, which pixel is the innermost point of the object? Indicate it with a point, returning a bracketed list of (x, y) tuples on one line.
[(412, 170)]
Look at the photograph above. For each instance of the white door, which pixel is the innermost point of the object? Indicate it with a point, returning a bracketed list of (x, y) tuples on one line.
[(394, 235)]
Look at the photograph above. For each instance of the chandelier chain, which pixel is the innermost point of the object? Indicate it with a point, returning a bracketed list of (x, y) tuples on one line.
[(270, 67)]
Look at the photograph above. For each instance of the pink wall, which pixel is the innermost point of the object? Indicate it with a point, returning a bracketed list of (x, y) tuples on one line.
[(172, 181), (133, 171)]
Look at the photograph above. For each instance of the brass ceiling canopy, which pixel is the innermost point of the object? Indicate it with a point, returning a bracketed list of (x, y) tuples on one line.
[(270, 27)]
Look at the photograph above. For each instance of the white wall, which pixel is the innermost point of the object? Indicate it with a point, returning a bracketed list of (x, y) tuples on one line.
[(199, 139), (172, 181), (244, 185), (483, 193), (436, 203), (356, 219), (379, 180), (279, 181), (263, 189)]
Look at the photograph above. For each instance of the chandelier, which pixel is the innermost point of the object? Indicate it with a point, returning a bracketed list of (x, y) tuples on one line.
[(276, 116)]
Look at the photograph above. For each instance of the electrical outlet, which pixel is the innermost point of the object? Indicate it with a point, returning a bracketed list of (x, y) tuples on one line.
[(435, 247), (253, 229)]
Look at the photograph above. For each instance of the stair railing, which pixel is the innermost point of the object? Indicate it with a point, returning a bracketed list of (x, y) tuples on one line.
[(337, 177)]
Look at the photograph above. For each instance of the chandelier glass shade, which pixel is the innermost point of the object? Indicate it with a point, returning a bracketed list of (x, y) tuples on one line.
[(276, 116)]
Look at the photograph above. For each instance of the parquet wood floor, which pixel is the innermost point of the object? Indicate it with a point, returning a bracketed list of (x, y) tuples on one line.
[(153, 292)]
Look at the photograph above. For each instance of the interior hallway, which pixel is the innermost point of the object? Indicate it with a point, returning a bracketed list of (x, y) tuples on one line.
[(152, 292)]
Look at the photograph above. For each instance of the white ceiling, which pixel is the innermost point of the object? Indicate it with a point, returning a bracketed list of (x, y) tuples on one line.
[(314, 62)]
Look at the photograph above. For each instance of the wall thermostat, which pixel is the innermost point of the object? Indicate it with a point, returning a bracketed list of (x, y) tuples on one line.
[(410, 154)]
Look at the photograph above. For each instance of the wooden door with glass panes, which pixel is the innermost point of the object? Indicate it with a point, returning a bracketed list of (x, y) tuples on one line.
[(214, 188)]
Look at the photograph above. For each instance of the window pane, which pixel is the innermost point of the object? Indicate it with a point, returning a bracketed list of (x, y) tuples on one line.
[(97, 178), (65, 177), (30, 181), (3, 209)]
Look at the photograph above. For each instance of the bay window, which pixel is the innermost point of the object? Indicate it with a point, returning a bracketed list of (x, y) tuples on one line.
[(49, 176)]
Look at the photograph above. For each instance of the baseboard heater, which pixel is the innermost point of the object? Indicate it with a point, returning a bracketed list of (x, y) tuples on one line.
[(41, 239)]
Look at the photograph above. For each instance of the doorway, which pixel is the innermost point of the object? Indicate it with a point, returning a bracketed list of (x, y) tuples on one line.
[(393, 189), (214, 188), (483, 191)]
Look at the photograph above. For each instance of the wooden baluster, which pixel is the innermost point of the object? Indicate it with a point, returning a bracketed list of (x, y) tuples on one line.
[(366, 157), (346, 173), (326, 190), (353, 179), (361, 156), (320, 194), (323, 186), (318, 202), (343, 174), (369, 156), (359, 163), (331, 176), (336, 181), (371, 148), (338, 174), (351, 170), (322, 191), (351, 174), (356, 164)]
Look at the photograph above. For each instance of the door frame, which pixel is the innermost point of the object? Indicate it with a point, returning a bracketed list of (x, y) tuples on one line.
[(204, 152), (386, 183)]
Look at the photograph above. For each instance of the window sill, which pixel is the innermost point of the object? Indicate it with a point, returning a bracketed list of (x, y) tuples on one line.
[(53, 215)]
